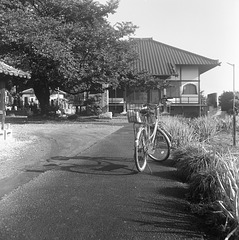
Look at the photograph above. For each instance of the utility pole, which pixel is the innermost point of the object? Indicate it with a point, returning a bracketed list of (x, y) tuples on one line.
[(233, 106), (58, 100)]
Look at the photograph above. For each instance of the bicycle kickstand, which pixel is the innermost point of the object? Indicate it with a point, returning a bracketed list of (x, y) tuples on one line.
[(149, 168)]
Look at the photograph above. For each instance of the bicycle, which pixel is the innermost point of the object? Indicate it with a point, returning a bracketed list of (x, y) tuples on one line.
[(150, 138)]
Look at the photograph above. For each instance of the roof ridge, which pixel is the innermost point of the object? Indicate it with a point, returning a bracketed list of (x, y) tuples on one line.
[(135, 38)]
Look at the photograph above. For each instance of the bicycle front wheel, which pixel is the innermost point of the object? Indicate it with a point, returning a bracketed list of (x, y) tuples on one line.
[(140, 153), (160, 147)]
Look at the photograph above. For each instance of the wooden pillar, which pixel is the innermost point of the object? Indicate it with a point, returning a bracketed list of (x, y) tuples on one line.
[(2, 102)]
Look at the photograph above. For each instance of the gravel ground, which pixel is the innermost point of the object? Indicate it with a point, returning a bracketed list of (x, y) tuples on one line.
[(34, 143)]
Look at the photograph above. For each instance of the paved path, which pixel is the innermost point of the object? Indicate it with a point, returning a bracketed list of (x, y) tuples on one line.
[(97, 194)]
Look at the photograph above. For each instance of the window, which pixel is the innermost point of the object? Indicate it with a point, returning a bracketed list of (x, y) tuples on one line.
[(189, 89)]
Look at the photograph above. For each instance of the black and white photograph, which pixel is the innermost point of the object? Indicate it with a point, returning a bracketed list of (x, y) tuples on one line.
[(119, 120)]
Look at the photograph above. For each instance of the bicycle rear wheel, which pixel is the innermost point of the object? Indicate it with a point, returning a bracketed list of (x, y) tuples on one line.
[(140, 152), (161, 146)]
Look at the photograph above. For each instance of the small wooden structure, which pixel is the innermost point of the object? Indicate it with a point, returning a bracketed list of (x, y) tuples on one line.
[(5, 71)]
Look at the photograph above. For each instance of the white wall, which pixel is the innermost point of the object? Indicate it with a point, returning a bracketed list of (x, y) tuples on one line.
[(186, 73), (189, 73), (55, 96), (31, 98)]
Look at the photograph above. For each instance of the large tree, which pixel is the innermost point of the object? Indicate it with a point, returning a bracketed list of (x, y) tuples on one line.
[(65, 43)]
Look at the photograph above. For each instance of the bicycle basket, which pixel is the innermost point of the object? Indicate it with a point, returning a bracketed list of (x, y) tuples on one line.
[(149, 115), (134, 116)]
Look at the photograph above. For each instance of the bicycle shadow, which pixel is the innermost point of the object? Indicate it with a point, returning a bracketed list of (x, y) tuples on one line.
[(89, 165)]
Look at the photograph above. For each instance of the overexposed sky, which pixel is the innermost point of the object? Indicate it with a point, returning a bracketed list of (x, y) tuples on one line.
[(206, 27)]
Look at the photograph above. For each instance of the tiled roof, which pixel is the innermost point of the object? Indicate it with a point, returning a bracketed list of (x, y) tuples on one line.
[(8, 70), (160, 59)]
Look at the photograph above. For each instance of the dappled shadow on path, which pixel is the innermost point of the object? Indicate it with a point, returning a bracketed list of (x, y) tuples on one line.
[(169, 217)]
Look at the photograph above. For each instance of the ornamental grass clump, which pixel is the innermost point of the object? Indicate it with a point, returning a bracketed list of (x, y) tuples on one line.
[(224, 124), (197, 164), (205, 127), (204, 161), (182, 133), (191, 159), (203, 187), (228, 179), (213, 186)]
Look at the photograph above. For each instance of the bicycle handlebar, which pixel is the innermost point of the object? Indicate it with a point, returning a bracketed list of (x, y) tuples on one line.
[(151, 109), (151, 105)]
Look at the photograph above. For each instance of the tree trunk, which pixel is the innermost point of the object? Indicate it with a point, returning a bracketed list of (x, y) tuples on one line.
[(42, 93), (77, 109)]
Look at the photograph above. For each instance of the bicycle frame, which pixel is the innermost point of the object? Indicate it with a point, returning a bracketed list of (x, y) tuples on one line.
[(150, 135), (146, 125)]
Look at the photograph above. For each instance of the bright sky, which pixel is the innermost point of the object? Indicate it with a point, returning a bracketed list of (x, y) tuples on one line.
[(206, 27)]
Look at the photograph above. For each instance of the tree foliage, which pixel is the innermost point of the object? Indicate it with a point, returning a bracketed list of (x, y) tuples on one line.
[(226, 101), (65, 43)]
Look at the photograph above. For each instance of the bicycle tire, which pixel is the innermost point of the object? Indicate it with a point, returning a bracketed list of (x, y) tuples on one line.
[(140, 152), (160, 126), (168, 134), (161, 146)]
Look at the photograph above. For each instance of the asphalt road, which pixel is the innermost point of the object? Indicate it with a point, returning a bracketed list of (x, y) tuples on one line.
[(98, 194)]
